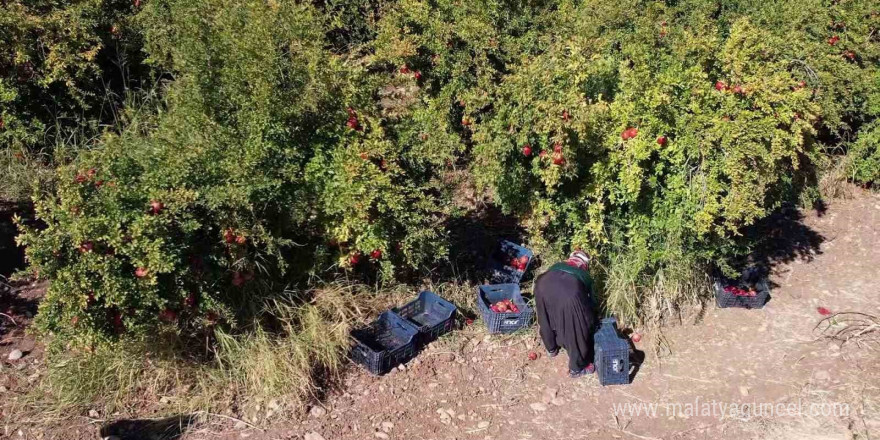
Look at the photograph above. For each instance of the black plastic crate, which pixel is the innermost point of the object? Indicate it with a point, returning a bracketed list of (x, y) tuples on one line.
[(505, 322), (612, 354), (501, 266), (387, 342), (751, 279), (432, 315)]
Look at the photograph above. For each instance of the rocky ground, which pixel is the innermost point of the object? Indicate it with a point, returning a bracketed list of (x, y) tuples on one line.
[(472, 385)]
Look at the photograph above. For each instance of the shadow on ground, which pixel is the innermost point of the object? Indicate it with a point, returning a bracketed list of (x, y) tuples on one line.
[(169, 428), (780, 238), (11, 255), (473, 239)]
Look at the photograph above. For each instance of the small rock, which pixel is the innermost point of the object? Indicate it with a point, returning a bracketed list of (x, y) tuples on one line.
[(450, 357), (461, 417), (549, 395), (558, 401), (15, 355), (387, 426), (317, 412), (94, 414), (382, 435), (313, 436), (3, 389), (483, 425), (401, 367), (744, 390), (822, 376), (538, 406), (242, 425), (433, 385)]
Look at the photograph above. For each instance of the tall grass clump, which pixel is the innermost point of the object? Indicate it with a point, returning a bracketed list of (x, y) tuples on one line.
[(290, 355)]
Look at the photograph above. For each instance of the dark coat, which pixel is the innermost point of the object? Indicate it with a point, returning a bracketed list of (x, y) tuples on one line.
[(566, 313)]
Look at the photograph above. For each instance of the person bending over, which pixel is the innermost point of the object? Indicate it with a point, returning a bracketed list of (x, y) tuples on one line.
[(567, 312)]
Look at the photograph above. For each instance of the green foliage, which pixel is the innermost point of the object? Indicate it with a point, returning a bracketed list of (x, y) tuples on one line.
[(253, 169), (64, 67), (704, 163), (292, 139), (865, 155)]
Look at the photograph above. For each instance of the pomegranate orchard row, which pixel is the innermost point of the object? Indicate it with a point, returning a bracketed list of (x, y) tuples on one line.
[(314, 145)]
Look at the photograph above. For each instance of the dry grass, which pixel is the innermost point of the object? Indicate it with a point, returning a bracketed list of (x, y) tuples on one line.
[(21, 174), (639, 299), (835, 180), (273, 368)]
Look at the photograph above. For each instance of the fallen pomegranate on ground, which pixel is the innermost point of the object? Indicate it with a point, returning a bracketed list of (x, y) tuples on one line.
[(533, 356), (636, 337)]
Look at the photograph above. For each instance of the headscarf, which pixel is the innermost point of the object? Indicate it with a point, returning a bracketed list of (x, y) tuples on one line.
[(579, 259)]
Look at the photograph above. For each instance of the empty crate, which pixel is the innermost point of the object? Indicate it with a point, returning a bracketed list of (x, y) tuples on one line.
[(504, 322), (509, 263), (432, 315), (612, 354), (388, 341)]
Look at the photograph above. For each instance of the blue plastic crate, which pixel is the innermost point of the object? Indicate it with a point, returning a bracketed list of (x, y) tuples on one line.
[(612, 354), (387, 342), (751, 277), (507, 322), (432, 315), (501, 270)]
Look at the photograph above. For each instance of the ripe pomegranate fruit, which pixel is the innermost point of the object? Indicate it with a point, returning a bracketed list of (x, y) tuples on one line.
[(168, 315)]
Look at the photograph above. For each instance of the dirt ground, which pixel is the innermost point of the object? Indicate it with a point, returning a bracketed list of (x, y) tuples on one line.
[(471, 385)]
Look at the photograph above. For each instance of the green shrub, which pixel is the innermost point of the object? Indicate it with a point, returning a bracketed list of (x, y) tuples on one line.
[(731, 103), (195, 209), (65, 68), (293, 140), (865, 155)]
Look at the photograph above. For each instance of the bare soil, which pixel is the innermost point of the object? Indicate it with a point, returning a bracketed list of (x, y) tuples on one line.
[(471, 385)]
